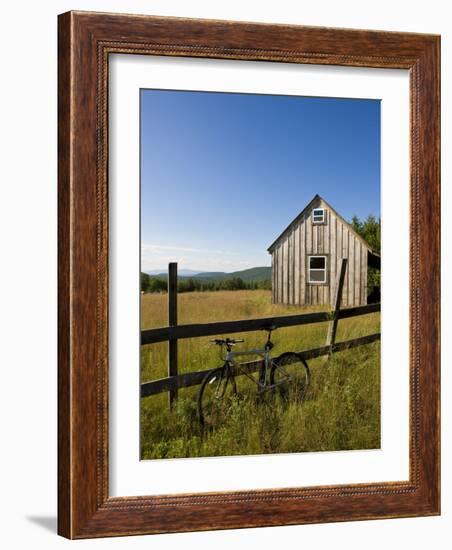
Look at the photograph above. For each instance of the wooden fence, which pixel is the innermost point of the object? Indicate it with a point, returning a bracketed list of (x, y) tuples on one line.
[(174, 332)]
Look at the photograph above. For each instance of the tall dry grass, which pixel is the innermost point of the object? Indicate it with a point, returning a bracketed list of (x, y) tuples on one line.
[(341, 410)]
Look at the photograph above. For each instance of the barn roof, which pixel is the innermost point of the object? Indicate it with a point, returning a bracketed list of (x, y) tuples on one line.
[(372, 253)]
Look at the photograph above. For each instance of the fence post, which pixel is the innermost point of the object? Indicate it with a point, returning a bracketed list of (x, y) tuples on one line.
[(332, 328), (172, 322)]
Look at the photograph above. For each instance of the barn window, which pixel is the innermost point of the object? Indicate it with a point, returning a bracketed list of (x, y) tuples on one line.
[(317, 269), (318, 215)]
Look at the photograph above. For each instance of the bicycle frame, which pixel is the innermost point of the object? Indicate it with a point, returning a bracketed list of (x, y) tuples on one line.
[(264, 353), (269, 374)]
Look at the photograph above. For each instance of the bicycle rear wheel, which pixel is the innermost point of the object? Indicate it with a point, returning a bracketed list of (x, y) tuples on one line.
[(290, 375), (215, 397)]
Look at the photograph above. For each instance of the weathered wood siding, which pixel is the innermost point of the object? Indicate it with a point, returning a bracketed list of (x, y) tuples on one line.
[(334, 239)]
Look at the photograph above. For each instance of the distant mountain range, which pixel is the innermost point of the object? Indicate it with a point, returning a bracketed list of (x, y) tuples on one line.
[(161, 272), (252, 274)]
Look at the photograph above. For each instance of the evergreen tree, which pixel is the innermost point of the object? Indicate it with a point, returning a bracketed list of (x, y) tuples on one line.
[(370, 230)]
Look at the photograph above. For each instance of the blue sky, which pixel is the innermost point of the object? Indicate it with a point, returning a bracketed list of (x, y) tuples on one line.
[(223, 174)]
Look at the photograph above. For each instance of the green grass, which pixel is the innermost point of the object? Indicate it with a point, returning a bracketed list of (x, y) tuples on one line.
[(341, 410)]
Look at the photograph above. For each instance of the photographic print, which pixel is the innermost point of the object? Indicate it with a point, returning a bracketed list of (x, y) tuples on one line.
[(220, 189), (260, 274)]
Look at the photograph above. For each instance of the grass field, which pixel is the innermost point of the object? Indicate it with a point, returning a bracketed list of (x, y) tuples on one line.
[(341, 410)]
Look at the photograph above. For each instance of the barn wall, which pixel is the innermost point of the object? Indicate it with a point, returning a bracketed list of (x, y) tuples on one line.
[(335, 240)]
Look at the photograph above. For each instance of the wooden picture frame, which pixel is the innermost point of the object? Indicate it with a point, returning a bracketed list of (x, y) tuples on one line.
[(86, 40)]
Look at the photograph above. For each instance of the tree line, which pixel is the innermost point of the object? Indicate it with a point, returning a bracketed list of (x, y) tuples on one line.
[(370, 230), (158, 284)]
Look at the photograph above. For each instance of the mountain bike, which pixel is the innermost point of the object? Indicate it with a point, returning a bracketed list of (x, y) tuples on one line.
[(288, 373)]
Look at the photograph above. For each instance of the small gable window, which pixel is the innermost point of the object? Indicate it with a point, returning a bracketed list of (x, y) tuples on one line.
[(317, 269), (318, 215)]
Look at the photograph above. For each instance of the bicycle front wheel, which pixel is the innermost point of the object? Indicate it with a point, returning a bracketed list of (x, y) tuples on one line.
[(290, 376), (215, 397)]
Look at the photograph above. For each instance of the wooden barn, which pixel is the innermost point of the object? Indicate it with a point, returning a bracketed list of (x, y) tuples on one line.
[(306, 258)]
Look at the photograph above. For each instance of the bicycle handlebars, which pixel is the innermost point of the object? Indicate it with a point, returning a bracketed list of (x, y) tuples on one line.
[(232, 342), (226, 341)]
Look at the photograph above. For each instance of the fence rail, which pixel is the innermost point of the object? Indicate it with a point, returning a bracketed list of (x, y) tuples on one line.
[(194, 378), (152, 336), (175, 332)]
